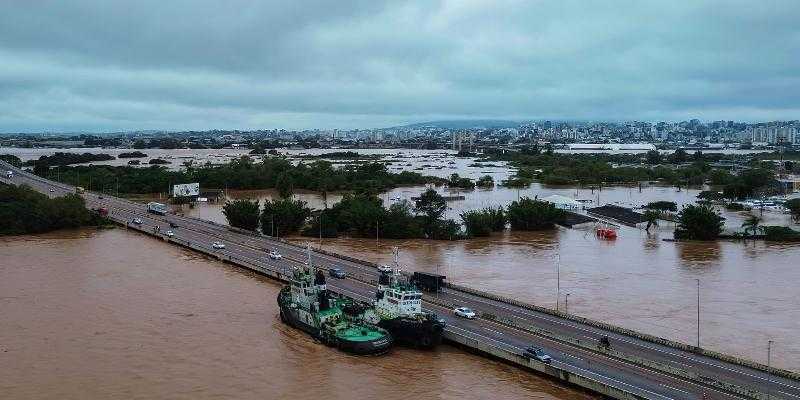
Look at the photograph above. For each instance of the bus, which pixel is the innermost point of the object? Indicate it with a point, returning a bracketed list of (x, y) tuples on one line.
[(156, 208)]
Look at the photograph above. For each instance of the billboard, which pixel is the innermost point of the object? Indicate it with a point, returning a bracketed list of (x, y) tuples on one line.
[(186, 190)]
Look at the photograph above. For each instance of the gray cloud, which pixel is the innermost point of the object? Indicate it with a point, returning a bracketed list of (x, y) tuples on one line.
[(100, 65)]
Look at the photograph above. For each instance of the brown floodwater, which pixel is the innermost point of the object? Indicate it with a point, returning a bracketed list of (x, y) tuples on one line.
[(749, 290), (113, 314)]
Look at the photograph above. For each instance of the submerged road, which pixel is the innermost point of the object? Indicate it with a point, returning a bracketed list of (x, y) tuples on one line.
[(653, 370)]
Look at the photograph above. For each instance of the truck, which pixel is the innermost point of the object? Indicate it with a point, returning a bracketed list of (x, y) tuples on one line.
[(156, 208), (428, 282), (79, 190), (101, 211)]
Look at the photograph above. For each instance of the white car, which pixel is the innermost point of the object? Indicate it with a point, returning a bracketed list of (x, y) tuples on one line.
[(385, 268), (274, 255), (464, 312), (218, 245), (52, 190), (137, 221), (169, 233)]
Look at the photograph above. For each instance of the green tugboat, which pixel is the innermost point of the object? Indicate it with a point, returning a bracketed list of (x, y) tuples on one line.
[(306, 304)]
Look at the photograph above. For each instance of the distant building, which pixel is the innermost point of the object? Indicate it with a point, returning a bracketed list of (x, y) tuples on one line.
[(773, 134)]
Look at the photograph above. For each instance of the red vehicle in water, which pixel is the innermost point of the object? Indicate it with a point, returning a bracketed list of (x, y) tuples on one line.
[(606, 233)]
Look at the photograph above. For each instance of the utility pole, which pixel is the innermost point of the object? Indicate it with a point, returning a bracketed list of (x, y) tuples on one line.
[(769, 365), (698, 313), (558, 279)]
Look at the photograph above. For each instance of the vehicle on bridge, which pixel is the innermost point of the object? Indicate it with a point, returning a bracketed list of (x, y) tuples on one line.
[(218, 245), (385, 268), (428, 282), (537, 353), (169, 233), (156, 208), (137, 221), (9, 174), (337, 273), (274, 255), (52, 190), (79, 189), (101, 211), (464, 312)]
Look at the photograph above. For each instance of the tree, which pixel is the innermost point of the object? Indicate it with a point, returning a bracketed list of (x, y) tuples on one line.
[(432, 206), (283, 216), (751, 224), (653, 157), (485, 181), (679, 156), (709, 195), (794, 207), (476, 223), (242, 214), (23, 210), (652, 217), (459, 182), (698, 222), (400, 222), (284, 185), (530, 215), (662, 206), (11, 159), (483, 222), (360, 214)]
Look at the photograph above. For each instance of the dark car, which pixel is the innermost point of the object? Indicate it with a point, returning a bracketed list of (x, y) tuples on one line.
[(173, 225), (537, 353), (336, 273)]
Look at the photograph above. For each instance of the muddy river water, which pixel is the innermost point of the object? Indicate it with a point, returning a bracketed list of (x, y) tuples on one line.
[(112, 314)]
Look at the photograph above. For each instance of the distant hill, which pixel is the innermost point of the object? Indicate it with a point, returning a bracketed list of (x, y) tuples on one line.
[(465, 123)]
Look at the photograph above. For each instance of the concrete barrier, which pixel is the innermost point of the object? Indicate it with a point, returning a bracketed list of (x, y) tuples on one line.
[(633, 359), (571, 377), (629, 332)]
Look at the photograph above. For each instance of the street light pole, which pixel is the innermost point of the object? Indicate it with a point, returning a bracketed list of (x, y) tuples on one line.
[(558, 279), (769, 365), (698, 313), (566, 304)]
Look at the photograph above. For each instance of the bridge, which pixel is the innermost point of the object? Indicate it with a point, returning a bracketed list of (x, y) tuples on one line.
[(636, 366)]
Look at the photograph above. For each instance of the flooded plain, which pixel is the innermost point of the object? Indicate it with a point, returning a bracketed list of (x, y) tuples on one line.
[(749, 291), (113, 314)]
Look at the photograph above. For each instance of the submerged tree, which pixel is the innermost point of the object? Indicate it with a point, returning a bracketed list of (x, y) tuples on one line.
[(242, 214), (283, 216), (752, 224), (527, 214), (698, 222), (652, 217), (432, 207)]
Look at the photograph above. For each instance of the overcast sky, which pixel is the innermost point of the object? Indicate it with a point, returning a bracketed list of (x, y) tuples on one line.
[(112, 65)]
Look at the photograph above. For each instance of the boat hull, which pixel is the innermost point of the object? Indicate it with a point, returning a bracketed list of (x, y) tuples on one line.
[(417, 333), (290, 316)]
